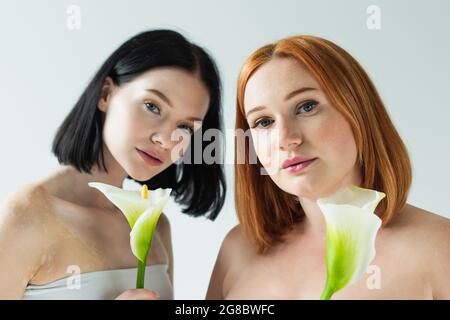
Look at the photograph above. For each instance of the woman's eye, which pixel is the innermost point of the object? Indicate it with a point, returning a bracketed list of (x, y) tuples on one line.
[(263, 123), (152, 107), (187, 128), (307, 107)]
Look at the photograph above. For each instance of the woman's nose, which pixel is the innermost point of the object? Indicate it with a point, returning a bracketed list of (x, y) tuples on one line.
[(289, 136), (164, 138)]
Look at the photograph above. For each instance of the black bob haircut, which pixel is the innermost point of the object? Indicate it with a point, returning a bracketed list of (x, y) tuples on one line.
[(199, 188)]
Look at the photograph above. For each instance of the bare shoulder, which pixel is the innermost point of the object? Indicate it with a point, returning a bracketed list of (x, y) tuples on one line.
[(423, 238), (164, 231), (163, 224), (28, 213), (24, 238), (420, 223), (236, 245), (29, 206), (236, 250)]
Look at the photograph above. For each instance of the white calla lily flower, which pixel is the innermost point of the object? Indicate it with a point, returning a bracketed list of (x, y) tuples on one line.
[(352, 227), (142, 211)]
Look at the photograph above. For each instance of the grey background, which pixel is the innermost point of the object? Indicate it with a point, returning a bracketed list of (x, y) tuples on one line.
[(44, 66)]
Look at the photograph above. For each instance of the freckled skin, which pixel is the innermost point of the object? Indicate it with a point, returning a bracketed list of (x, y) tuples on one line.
[(337, 157), (409, 264), (59, 221), (413, 251)]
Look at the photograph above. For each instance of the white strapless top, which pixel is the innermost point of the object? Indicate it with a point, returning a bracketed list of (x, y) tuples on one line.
[(102, 285)]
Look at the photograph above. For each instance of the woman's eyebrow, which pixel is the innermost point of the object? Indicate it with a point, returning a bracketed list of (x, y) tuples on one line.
[(193, 119), (289, 96), (254, 110), (298, 91), (161, 95)]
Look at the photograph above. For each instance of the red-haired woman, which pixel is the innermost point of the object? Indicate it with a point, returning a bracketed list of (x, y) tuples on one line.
[(327, 113)]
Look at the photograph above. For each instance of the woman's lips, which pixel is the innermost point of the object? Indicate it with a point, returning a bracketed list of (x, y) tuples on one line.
[(295, 168), (148, 158)]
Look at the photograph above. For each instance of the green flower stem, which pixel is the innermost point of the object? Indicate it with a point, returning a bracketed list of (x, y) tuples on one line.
[(327, 293), (140, 274)]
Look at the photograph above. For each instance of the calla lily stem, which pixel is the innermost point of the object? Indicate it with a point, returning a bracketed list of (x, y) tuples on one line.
[(327, 293), (140, 274)]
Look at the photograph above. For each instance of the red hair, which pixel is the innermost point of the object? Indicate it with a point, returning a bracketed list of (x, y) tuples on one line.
[(266, 212)]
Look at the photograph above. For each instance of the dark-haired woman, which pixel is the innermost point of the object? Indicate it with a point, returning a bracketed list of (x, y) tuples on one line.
[(154, 87)]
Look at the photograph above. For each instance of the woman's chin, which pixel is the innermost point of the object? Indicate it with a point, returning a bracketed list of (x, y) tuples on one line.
[(141, 175), (303, 188), (308, 191)]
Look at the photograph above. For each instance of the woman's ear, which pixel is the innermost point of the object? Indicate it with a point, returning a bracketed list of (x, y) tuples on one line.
[(105, 95)]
